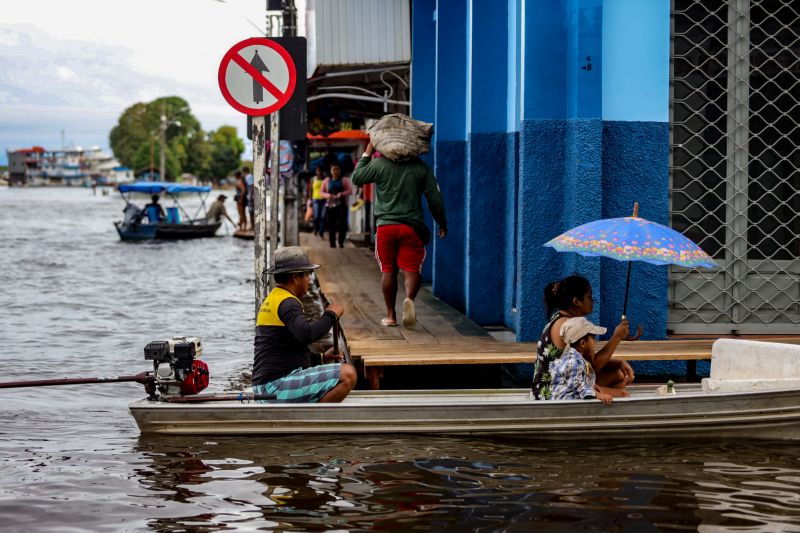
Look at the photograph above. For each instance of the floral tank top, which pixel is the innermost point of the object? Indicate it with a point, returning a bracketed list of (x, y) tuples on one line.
[(546, 352)]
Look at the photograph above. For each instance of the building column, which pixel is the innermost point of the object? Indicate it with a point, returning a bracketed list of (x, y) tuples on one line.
[(450, 135), (486, 178), (423, 84)]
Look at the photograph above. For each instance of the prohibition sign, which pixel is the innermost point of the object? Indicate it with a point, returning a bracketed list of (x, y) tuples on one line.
[(257, 76)]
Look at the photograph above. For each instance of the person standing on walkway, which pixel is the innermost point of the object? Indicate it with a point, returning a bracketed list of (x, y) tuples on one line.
[(250, 183), (318, 202), (241, 200), (283, 365), (401, 233), (335, 190)]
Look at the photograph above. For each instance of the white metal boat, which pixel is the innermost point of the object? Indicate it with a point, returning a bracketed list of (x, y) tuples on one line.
[(691, 413), (753, 392)]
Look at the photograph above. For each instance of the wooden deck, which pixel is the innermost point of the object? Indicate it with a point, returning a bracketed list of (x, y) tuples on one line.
[(443, 336)]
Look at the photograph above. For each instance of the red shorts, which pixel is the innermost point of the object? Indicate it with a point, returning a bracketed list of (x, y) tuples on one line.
[(397, 245)]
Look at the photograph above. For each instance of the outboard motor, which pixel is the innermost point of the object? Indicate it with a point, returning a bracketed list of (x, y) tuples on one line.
[(178, 369), (132, 216)]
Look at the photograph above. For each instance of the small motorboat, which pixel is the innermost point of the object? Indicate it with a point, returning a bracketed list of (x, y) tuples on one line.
[(753, 392), (139, 224)]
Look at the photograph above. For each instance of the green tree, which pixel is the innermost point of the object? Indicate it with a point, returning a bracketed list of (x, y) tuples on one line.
[(141, 159), (199, 155), (140, 124), (226, 151)]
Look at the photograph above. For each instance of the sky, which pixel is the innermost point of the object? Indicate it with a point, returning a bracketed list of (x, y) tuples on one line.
[(76, 65)]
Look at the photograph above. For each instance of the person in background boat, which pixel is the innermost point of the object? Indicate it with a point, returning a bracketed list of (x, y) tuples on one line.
[(283, 366), (154, 211), (572, 297), (241, 199), (401, 233), (250, 183), (335, 190), (217, 211), (318, 202), (572, 376)]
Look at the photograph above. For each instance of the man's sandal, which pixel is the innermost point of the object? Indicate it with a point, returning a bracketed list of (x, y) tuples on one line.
[(409, 313)]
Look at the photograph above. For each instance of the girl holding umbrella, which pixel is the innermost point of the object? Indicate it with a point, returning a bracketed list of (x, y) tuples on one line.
[(572, 297)]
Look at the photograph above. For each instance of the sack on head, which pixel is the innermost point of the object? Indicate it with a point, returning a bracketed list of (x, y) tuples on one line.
[(400, 137)]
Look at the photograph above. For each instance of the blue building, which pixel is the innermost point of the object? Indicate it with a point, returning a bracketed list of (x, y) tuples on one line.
[(552, 113)]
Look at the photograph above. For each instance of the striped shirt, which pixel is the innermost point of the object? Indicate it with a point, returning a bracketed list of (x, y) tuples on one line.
[(572, 377)]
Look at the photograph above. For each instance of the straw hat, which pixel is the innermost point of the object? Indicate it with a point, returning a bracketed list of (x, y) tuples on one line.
[(291, 259)]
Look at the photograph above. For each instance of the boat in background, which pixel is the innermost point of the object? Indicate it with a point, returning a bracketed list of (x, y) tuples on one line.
[(139, 225)]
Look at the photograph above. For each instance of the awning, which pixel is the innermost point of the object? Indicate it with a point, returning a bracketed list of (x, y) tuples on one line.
[(159, 187)]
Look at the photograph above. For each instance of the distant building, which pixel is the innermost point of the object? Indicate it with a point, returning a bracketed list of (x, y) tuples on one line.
[(73, 166)]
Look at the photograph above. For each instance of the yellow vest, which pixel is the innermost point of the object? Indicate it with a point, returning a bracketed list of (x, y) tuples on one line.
[(268, 313), (316, 187)]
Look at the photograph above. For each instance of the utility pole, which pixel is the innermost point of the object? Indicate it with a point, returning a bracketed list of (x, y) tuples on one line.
[(263, 232), (162, 139), (291, 231)]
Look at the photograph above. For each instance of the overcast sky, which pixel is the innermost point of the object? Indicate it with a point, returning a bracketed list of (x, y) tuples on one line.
[(76, 65)]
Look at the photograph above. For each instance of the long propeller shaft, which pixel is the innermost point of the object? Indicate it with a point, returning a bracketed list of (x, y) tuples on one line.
[(143, 378)]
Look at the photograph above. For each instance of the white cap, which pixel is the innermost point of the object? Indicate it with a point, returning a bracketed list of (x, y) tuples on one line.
[(575, 329)]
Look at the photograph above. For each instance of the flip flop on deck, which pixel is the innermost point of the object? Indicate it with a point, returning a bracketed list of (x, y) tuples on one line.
[(388, 322), (409, 313)]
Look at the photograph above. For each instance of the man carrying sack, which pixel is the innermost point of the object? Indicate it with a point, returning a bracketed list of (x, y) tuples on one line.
[(401, 233), (283, 365)]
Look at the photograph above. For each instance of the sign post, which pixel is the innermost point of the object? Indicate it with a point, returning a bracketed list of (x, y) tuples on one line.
[(257, 77)]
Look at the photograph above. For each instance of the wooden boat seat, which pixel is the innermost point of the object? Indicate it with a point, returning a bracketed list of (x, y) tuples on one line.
[(376, 355)]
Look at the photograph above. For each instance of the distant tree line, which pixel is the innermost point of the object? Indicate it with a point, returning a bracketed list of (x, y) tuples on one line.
[(209, 155)]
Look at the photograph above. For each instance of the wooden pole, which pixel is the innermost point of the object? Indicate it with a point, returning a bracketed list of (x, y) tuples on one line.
[(260, 209)]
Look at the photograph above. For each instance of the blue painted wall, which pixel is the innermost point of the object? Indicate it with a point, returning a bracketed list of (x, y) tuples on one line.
[(423, 80), (636, 37), (450, 139), (548, 114), (486, 178)]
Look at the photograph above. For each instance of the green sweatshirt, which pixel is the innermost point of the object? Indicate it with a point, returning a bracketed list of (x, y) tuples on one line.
[(400, 189)]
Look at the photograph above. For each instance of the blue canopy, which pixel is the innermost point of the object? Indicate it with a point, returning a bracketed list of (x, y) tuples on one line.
[(159, 187)]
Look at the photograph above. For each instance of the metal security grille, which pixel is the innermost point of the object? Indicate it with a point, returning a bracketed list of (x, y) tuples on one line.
[(735, 164)]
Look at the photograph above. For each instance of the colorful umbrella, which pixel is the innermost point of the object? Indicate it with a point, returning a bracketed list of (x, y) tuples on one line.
[(632, 239)]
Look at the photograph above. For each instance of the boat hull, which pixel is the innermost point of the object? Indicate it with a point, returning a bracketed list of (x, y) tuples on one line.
[(765, 415), (166, 231)]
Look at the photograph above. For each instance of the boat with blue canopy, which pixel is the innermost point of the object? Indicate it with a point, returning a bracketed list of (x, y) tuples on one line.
[(152, 222)]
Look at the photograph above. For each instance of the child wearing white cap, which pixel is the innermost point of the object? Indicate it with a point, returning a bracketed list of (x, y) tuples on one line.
[(572, 375)]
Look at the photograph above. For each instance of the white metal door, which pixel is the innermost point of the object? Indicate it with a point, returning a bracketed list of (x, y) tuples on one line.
[(735, 164)]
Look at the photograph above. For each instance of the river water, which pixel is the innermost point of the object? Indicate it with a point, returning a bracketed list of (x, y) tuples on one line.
[(75, 301)]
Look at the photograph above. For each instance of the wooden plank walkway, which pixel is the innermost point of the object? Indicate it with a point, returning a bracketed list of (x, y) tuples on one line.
[(443, 336)]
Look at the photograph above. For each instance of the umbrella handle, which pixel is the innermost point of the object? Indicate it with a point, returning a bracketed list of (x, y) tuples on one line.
[(639, 332)]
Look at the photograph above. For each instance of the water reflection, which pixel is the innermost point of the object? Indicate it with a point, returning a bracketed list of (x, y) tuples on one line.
[(432, 484)]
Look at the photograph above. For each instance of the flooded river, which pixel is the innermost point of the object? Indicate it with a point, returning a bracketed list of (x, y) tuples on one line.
[(75, 301)]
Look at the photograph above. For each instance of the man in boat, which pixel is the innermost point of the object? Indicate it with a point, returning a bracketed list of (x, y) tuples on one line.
[(154, 211), (283, 365), (217, 211), (401, 233)]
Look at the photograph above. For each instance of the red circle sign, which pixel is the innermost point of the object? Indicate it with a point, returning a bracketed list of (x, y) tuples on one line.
[(243, 84)]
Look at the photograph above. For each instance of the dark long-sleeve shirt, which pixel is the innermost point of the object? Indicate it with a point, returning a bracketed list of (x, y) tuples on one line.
[(281, 345), (400, 189)]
